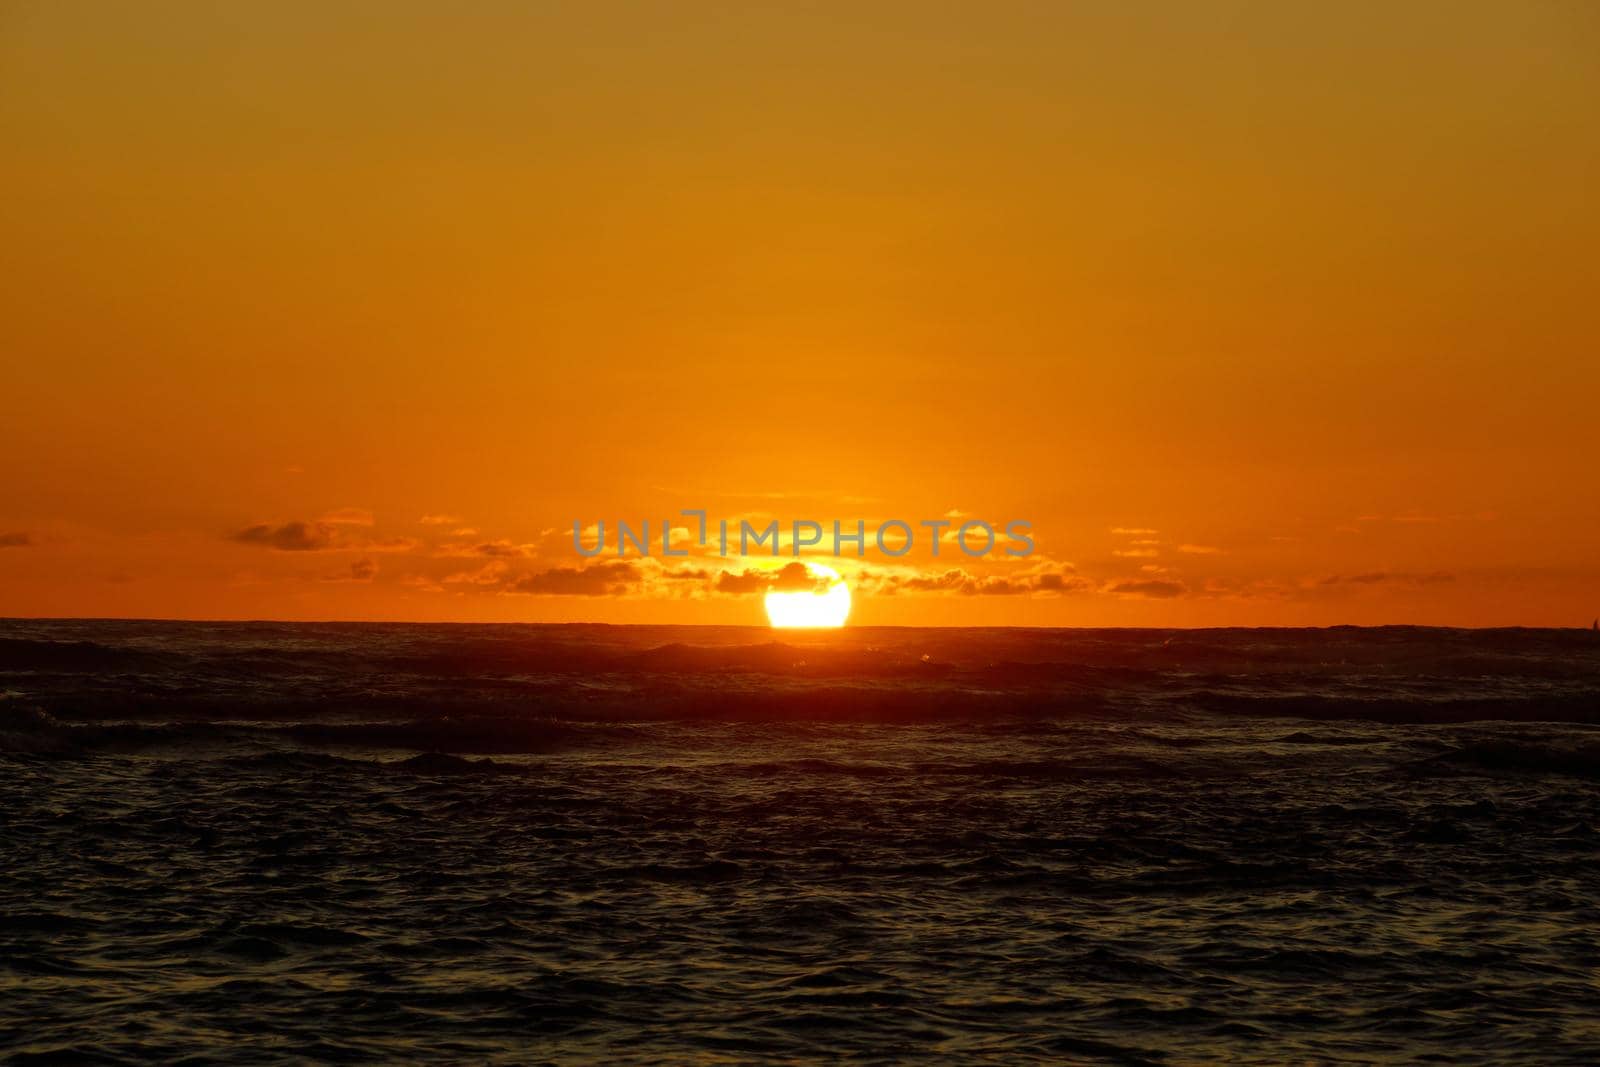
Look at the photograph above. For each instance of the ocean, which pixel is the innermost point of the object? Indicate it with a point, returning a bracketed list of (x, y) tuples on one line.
[(269, 843)]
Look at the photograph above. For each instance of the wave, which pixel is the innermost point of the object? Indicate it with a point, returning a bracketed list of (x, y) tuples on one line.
[(1580, 707), (109, 687), (26, 654), (1577, 760), (34, 731)]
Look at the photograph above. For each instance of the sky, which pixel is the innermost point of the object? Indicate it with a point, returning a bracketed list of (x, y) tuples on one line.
[(1257, 313)]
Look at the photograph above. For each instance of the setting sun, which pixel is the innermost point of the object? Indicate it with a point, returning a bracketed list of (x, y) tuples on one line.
[(808, 595)]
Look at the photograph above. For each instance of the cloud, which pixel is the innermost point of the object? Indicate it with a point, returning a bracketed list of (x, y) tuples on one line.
[(1136, 553), (16, 539), (1356, 579), (996, 586), (1057, 580), (598, 579), (652, 578), (501, 549), (1135, 531), (742, 583), (383, 544), (796, 577), (1257, 589), (1149, 587), (290, 537), (1200, 550), (490, 573), (362, 570), (320, 536), (441, 520), (1061, 583), (948, 582), (793, 577), (1385, 577)]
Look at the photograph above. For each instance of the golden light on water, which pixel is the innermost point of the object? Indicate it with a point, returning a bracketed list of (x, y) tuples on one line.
[(826, 603)]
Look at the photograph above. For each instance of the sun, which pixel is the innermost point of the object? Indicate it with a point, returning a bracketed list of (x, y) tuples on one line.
[(808, 595)]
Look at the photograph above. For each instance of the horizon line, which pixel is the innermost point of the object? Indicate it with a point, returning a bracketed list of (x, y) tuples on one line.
[(747, 626)]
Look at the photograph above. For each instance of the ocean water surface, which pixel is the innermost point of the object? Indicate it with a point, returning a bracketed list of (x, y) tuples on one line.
[(280, 843)]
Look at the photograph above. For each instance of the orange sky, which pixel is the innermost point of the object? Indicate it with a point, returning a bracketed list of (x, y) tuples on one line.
[(1307, 288)]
